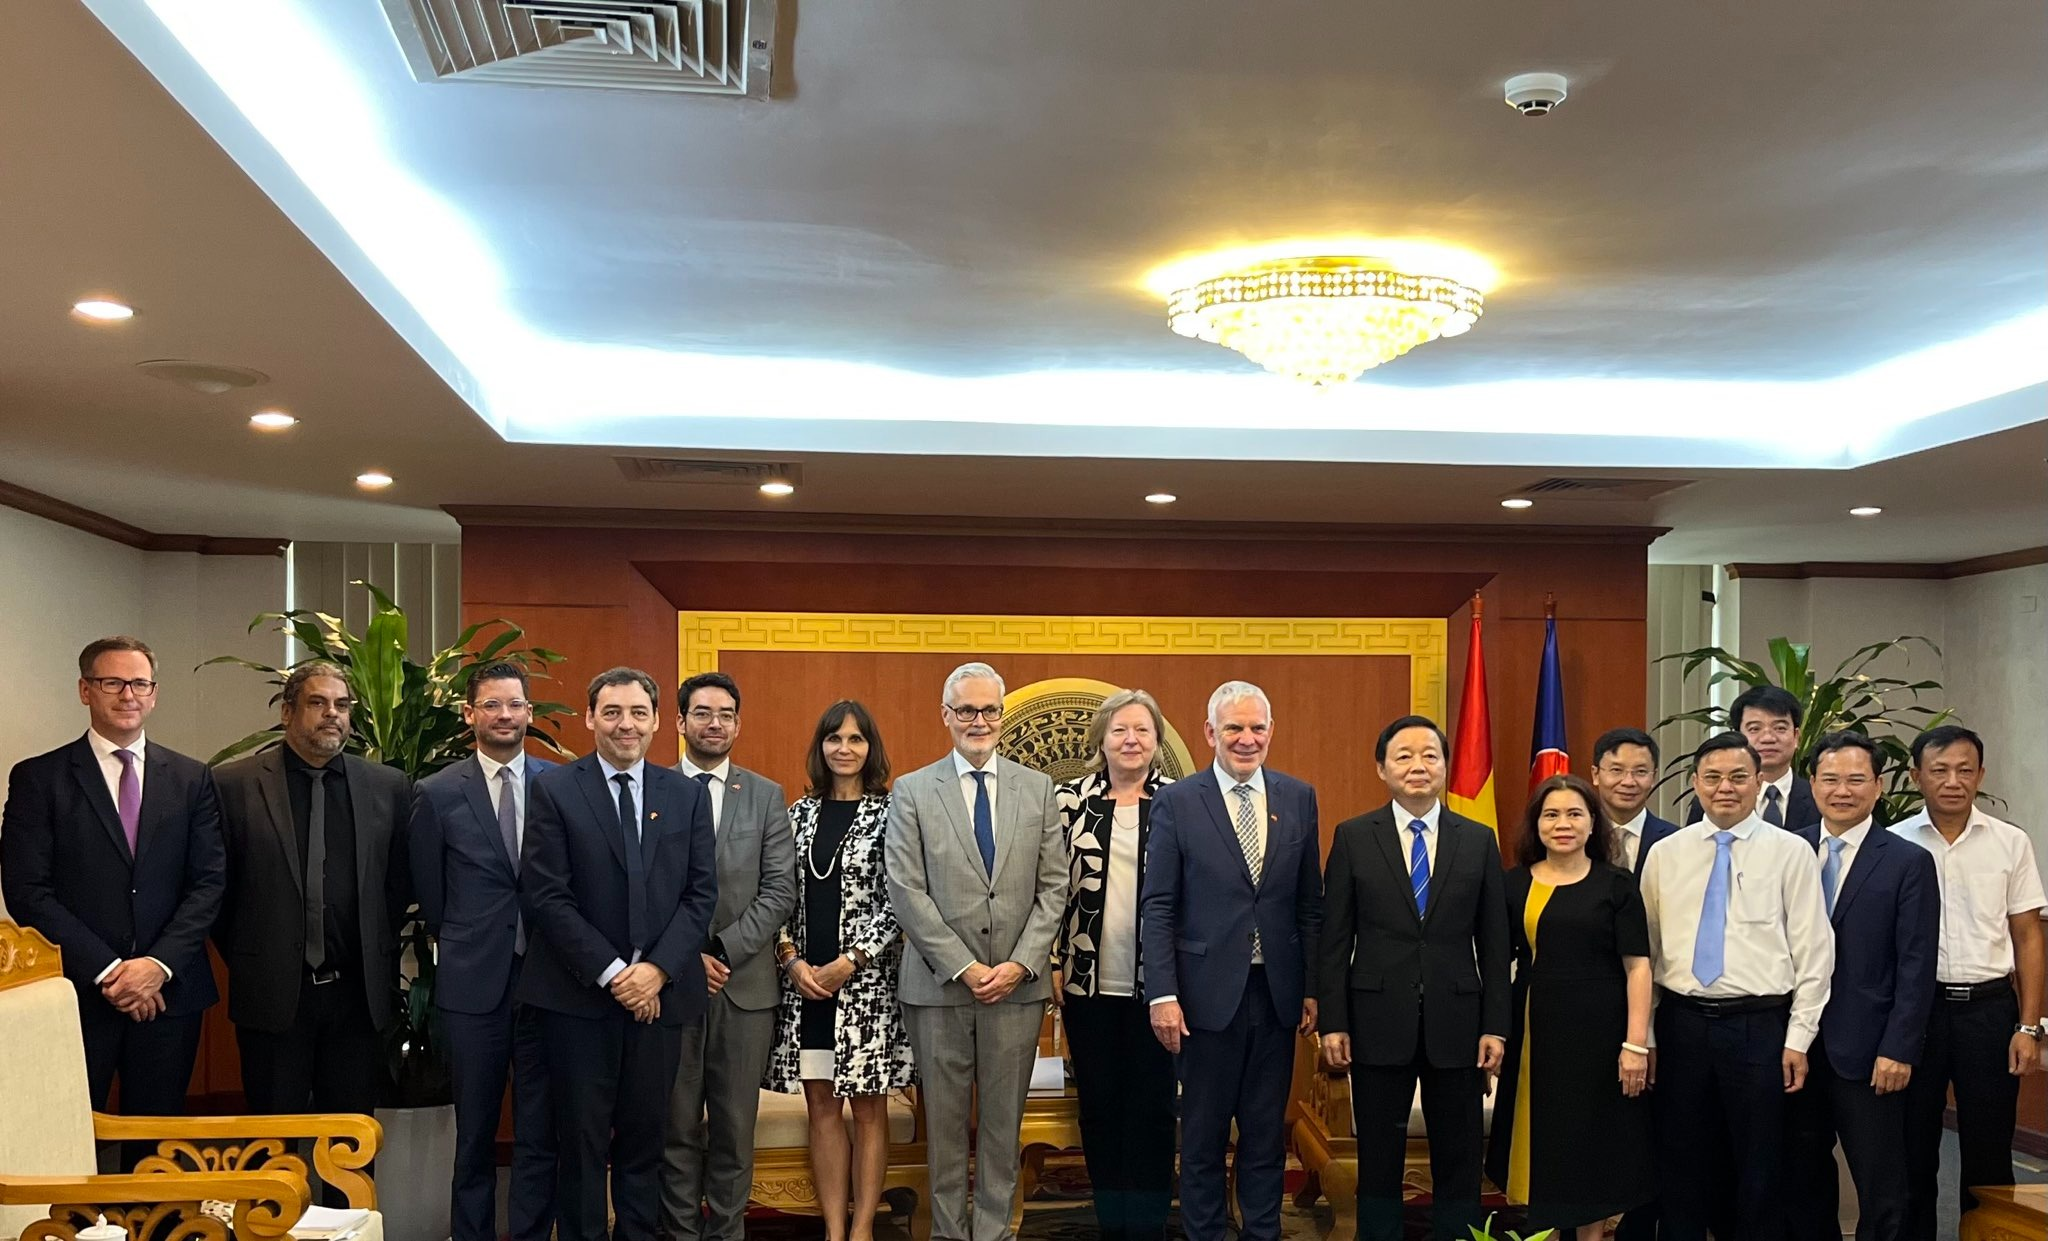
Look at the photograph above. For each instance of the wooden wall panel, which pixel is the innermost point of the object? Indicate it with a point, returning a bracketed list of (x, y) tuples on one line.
[(1315, 701)]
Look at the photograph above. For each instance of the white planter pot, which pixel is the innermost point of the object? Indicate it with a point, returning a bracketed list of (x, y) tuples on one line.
[(415, 1170)]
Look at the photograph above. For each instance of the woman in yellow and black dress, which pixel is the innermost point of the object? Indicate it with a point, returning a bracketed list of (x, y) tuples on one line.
[(1571, 1124)]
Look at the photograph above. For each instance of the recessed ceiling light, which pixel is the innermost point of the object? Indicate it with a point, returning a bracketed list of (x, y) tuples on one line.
[(1517, 502), (1161, 497), (102, 310), (373, 480), (777, 489), (272, 420), (1865, 510)]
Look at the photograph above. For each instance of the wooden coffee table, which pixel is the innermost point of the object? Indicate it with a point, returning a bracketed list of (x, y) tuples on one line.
[(2008, 1213)]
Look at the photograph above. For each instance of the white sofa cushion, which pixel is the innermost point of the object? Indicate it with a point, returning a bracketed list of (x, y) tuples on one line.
[(46, 1121)]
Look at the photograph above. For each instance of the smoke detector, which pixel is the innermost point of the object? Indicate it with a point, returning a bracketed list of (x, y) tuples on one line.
[(208, 377), (1535, 94)]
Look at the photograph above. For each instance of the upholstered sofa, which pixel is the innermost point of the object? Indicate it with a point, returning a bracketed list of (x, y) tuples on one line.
[(243, 1168)]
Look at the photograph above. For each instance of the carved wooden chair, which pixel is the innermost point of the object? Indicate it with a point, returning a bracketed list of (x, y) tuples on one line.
[(49, 1187), (782, 1157)]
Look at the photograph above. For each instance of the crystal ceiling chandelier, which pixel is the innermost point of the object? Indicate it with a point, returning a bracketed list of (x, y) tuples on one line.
[(1324, 320)]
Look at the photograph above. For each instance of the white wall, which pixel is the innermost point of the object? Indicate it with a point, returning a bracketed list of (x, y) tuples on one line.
[(60, 588)]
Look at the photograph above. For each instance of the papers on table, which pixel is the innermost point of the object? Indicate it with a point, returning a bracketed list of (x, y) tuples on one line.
[(1048, 1076), (333, 1222)]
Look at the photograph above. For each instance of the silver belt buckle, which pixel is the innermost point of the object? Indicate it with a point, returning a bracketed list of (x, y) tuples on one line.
[(322, 977), (1959, 991)]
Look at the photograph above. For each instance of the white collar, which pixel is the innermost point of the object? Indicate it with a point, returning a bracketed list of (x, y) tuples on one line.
[(1851, 839), (1227, 782), (1634, 827), (1430, 817), (721, 773), (491, 766), (103, 749), (1743, 830), (1923, 822), (961, 767), (637, 770), (1784, 786)]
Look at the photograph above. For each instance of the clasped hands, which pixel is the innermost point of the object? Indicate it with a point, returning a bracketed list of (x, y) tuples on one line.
[(638, 987), (820, 982), (992, 985), (135, 988)]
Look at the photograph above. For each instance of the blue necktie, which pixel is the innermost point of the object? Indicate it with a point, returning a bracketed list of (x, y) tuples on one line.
[(1774, 814), (984, 822), (1710, 946), (637, 925), (1418, 868), (1831, 871)]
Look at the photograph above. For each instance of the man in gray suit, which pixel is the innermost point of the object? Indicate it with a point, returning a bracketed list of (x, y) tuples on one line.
[(709, 1156), (977, 864)]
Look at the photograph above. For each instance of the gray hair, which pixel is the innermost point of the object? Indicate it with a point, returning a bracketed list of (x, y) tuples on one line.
[(1232, 692), (971, 672)]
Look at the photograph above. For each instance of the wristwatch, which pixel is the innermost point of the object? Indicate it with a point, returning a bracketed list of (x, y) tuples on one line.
[(2032, 1032)]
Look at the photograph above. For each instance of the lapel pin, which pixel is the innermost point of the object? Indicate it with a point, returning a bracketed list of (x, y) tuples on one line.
[(652, 815)]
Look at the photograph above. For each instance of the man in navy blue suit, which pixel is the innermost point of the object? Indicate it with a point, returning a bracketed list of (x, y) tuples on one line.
[(1624, 771), (467, 824), (1884, 903), (1232, 903), (1768, 718), (618, 881)]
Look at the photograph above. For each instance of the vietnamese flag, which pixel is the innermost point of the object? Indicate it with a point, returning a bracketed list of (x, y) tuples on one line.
[(1470, 791), (1548, 753)]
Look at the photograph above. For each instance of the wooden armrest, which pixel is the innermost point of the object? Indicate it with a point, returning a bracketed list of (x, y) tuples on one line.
[(267, 1203), (343, 1145)]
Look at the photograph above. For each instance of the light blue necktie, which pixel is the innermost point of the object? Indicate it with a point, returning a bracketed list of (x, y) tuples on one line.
[(1418, 867), (984, 822), (1831, 871), (1711, 944)]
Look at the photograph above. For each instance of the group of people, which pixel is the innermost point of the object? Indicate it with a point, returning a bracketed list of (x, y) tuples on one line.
[(640, 950)]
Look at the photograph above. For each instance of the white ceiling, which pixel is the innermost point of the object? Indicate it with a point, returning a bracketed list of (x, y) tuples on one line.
[(997, 191)]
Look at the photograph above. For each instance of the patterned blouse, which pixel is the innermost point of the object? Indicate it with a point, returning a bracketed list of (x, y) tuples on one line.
[(1090, 816)]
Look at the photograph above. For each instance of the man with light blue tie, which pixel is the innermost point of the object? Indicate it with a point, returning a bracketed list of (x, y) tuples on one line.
[(1742, 955)]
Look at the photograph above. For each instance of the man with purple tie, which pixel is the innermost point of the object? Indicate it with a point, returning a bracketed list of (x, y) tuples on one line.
[(112, 849)]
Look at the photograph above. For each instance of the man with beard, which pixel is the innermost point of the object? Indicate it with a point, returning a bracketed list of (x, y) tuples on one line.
[(618, 884), (318, 885), (467, 824), (709, 1158)]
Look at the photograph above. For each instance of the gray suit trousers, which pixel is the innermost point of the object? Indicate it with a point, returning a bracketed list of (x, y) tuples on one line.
[(709, 1153), (989, 1048)]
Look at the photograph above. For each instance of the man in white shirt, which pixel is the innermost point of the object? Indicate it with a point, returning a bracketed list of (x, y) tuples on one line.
[(1741, 952), (1624, 771), (1985, 1032)]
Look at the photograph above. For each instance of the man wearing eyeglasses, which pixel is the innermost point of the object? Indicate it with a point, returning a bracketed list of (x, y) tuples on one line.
[(112, 848), (1742, 955), (1768, 718), (318, 885), (977, 862), (468, 823), (708, 1161)]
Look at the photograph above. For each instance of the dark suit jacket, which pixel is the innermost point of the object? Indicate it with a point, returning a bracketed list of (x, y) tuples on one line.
[(465, 882), (1654, 830), (1887, 925), (1198, 906), (262, 930), (1800, 808), (66, 869), (1382, 961), (572, 883)]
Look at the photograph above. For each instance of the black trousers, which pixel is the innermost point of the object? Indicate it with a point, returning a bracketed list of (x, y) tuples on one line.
[(330, 1060), (153, 1060), (1454, 1112), (1239, 1073), (1125, 1082), (609, 1078), (1720, 1112), (483, 1048), (1872, 1131), (1966, 1049)]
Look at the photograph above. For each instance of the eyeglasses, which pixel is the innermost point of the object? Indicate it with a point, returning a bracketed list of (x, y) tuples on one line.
[(1625, 773), (113, 686), (704, 715), (967, 715), (1715, 780), (492, 706), (1854, 783)]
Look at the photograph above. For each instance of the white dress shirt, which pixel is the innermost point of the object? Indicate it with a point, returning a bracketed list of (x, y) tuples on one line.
[(1404, 840), (719, 775), (1777, 938), (636, 785), (1226, 782), (966, 771), (110, 767), (492, 781), (1116, 957), (1628, 838), (1986, 876), (1852, 844), (1784, 786)]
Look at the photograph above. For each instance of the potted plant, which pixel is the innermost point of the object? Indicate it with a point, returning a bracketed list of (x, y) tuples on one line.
[(407, 715), (1886, 709)]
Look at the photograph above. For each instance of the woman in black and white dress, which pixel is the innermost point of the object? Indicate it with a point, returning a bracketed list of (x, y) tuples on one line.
[(1123, 1077), (841, 1032)]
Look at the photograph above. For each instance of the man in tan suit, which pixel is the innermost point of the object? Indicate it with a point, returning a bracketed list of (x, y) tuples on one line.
[(977, 866)]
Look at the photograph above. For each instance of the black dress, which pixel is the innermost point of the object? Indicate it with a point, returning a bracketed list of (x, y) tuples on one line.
[(1584, 1147), (821, 913)]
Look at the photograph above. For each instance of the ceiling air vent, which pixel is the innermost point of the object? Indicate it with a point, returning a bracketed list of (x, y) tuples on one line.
[(702, 472), (1602, 488), (707, 47)]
